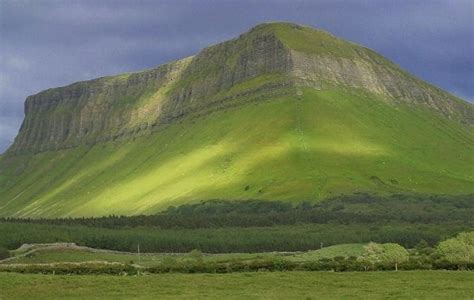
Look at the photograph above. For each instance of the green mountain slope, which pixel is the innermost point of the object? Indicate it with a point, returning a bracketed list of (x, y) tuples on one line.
[(273, 114)]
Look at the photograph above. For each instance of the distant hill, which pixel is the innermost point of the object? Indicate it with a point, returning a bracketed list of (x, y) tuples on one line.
[(283, 112)]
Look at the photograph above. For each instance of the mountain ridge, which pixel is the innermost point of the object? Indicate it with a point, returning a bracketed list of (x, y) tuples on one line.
[(178, 88), (282, 112)]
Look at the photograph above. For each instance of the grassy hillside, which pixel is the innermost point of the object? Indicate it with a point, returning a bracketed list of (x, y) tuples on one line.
[(302, 147)]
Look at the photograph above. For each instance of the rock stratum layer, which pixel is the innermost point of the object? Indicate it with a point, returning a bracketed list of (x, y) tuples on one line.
[(282, 112)]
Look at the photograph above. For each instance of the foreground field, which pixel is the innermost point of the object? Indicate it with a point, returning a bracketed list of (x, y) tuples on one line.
[(278, 285)]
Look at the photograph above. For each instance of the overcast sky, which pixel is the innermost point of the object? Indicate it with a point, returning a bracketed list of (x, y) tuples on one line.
[(47, 44)]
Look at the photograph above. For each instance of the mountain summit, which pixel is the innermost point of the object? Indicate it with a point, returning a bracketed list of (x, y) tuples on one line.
[(283, 112)]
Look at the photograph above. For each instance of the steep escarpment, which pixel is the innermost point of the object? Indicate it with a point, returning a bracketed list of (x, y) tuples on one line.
[(254, 66), (323, 61), (130, 104), (282, 112), (96, 110)]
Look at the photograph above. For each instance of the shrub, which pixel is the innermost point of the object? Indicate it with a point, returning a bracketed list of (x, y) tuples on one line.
[(383, 255), (279, 264), (458, 250), (195, 254)]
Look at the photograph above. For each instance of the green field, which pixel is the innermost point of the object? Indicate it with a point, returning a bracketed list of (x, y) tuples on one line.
[(43, 255), (293, 148), (277, 285)]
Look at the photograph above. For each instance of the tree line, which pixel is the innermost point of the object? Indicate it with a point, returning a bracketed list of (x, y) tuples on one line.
[(219, 226), (225, 240), (359, 208)]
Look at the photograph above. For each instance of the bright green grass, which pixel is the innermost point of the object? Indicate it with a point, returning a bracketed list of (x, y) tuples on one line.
[(310, 147), (278, 285)]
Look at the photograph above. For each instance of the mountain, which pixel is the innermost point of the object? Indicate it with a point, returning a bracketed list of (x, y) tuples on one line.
[(282, 112)]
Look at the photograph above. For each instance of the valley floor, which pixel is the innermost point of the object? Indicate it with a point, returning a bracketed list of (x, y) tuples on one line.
[(261, 285)]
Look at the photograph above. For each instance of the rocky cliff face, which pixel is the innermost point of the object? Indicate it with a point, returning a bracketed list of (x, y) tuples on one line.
[(383, 79), (268, 60), (126, 105), (95, 110), (219, 68)]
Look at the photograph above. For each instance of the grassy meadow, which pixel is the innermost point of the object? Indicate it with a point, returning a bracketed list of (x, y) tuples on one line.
[(47, 255), (275, 285)]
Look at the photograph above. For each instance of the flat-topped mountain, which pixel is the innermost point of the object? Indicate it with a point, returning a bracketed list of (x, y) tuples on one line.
[(282, 112)]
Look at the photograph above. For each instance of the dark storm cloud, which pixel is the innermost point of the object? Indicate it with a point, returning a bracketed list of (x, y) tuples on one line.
[(45, 44)]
